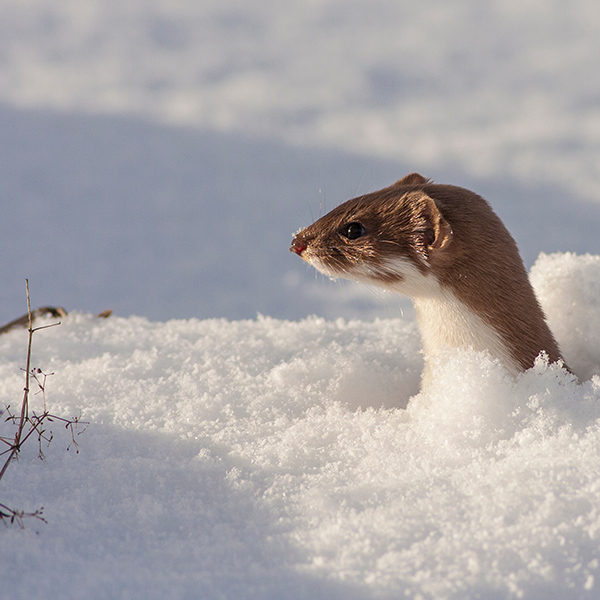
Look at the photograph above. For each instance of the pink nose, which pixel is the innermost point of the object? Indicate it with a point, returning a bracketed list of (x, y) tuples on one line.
[(298, 247)]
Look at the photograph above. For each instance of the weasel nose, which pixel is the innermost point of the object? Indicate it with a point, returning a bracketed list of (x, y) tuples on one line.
[(298, 246)]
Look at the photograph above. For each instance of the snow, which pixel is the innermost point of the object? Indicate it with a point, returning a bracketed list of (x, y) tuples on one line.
[(291, 459), (155, 159)]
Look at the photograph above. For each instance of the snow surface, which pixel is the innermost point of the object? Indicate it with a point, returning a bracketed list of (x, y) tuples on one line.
[(278, 459)]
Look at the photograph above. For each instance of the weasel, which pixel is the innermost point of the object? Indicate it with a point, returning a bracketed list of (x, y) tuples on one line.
[(446, 249)]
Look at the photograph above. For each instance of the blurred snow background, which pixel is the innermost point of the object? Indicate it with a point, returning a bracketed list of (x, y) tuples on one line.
[(157, 156), (155, 159)]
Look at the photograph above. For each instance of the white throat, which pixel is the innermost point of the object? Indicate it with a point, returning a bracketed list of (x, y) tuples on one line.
[(444, 321)]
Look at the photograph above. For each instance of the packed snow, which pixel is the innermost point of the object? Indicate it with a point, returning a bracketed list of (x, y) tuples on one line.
[(279, 459), (155, 159)]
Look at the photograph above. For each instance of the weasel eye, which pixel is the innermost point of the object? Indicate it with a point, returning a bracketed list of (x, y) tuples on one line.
[(352, 230)]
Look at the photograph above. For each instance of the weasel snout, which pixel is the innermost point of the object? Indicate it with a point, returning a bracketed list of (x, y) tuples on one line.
[(298, 246)]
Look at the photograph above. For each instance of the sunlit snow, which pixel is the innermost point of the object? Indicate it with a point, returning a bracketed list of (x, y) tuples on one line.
[(276, 459)]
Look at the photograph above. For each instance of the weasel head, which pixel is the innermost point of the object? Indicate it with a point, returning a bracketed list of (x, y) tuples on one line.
[(390, 238)]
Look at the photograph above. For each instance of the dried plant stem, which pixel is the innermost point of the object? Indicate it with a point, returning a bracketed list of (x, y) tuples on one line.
[(29, 424), (25, 404)]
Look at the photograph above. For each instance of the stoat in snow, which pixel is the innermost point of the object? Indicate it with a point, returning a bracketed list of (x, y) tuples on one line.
[(446, 249)]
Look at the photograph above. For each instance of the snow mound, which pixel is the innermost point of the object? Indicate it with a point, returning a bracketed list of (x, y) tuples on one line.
[(568, 287), (272, 459)]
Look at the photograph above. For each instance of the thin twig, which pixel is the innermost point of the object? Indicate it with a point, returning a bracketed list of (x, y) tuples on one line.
[(46, 326), (30, 424), (25, 404), (17, 516)]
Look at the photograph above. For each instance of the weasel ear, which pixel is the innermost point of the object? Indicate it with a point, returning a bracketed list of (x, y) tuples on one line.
[(438, 232), (412, 179)]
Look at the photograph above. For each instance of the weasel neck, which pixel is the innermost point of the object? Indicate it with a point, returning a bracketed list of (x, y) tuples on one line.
[(445, 322)]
